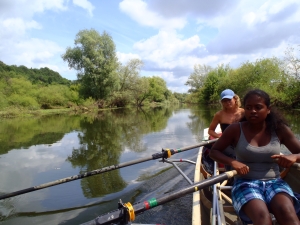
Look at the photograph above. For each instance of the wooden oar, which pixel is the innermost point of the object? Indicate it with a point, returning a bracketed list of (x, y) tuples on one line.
[(166, 153), (126, 213)]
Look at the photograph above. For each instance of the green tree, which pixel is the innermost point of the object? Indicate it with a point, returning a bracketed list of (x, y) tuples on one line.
[(197, 77), (265, 74), (213, 84), (129, 74), (41, 76), (130, 83), (94, 57), (292, 62), (157, 89), (141, 92), (180, 96)]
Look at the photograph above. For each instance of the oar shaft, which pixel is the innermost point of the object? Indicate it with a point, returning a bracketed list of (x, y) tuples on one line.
[(75, 177), (296, 165), (117, 215), (198, 186), (102, 170)]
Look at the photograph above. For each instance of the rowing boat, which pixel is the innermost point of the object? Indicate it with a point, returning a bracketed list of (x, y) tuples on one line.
[(213, 204), (211, 199)]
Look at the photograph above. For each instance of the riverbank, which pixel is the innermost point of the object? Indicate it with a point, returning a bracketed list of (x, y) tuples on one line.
[(13, 112)]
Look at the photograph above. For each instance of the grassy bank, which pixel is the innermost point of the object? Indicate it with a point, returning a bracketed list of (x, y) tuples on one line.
[(88, 107), (15, 112)]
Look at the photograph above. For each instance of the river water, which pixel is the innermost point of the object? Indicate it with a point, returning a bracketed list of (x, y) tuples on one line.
[(40, 150)]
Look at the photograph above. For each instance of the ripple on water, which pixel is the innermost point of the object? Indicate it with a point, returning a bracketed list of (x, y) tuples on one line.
[(176, 212)]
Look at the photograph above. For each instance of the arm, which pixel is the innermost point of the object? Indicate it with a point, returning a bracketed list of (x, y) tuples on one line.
[(229, 137), (287, 138), (214, 123)]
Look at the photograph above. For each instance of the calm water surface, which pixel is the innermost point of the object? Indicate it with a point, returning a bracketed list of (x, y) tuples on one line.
[(39, 150)]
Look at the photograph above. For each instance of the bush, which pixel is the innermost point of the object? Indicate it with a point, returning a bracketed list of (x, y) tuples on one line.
[(23, 101)]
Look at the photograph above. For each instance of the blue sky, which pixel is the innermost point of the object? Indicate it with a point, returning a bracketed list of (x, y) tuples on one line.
[(169, 36)]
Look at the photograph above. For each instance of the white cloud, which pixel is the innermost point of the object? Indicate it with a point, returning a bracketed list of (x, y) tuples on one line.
[(125, 57), (204, 9), (138, 10), (16, 27), (249, 18), (176, 84), (85, 4), (27, 8), (166, 49), (260, 27), (31, 52)]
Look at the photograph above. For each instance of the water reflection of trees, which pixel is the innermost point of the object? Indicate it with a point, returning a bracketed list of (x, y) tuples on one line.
[(20, 133), (200, 117), (105, 136)]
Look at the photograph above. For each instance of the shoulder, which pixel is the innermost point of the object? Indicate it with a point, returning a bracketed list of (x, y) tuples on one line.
[(231, 134), (241, 110), (287, 137), (283, 131), (218, 114), (234, 126), (232, 129)]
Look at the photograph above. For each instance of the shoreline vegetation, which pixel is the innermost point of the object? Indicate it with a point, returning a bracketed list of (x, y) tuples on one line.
[(13, 112), (105, 83)]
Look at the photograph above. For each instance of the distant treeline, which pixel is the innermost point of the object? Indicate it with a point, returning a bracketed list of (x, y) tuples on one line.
[(42, 75), (278, 77), (103, 82), (22, 89)]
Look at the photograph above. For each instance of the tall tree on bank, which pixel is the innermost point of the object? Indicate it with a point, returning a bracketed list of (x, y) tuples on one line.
[(197, 78), (293, 62), (94, 57), (132, 83), (131, 88), (129, 74), (157, 89)]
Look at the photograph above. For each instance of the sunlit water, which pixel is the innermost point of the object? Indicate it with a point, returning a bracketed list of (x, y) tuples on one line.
[(39, 150)]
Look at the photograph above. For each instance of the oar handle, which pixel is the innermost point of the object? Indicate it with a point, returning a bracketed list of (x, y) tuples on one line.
[(295, 165)]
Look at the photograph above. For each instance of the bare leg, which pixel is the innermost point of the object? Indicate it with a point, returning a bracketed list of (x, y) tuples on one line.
[(258, 212), (283, 209)]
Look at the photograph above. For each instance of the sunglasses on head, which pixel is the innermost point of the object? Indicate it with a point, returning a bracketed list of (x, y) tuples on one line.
[(225, 100)]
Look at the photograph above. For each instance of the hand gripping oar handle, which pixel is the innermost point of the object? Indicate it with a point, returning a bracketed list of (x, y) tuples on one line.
[(166, 153), (128, 214), (295, 165)]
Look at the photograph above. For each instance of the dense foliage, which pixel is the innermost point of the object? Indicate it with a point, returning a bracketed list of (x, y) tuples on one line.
[(279, 77), (94, 57), (41, 76)]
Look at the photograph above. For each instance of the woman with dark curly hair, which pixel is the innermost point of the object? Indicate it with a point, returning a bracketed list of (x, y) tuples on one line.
[(258, 188)]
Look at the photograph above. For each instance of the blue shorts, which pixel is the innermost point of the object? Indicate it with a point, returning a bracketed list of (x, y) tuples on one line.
[(245, 190)]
